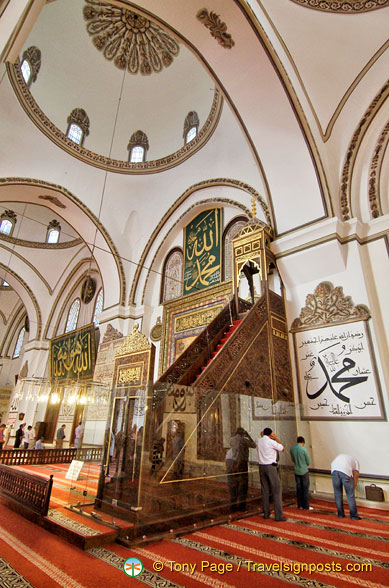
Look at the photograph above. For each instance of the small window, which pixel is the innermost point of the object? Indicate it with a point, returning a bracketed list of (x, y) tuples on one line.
[(137, 154), (5, 284), (19, 343), (191, 134), (7, 222), (137, 147), (74, 311), (26, 71), (53, 232), (78, 126), (191, 126), (98, 308), (31, 63)]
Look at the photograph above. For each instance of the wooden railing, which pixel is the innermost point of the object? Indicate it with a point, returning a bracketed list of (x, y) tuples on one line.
[(30, 491), (20, 457)]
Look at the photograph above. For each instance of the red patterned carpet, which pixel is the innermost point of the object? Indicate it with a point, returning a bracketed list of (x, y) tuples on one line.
[(248, 552)]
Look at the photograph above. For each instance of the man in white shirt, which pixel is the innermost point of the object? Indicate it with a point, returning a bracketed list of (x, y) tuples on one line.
[(79, 433), (268, 446), (345, 474)]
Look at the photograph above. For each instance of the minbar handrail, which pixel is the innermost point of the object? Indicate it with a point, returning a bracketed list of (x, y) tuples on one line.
[(29, 490), (19, 457)]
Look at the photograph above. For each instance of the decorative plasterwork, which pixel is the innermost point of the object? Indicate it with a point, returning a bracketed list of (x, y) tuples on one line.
[(37, 245), (138, 138), (375, 172), (343, 6), (156, 331), (134, 342), (53, 200), (111, 334), (218, 28), (79, 117), (33, 56), (327, 306), (9, 215), (46, 185), (191, 120), (45, 125), (132, 41), (345, 189)]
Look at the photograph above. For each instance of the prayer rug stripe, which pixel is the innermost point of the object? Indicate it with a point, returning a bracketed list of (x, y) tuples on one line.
[(350, 542), (289, 556)]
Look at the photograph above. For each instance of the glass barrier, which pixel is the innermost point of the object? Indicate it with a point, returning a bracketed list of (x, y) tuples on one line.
[(169, 460)]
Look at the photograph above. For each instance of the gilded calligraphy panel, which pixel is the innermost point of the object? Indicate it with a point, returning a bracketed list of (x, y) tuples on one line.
[(202, 251), (72, 355), (337, 375)]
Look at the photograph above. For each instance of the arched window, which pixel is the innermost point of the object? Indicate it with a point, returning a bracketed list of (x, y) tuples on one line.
[(19, 343), (31, 63), (74, 311), (78, 125), (232, 231), (53, 232), (98, 308), (137, 147), (172, 278), (191, 126), (7, 222)]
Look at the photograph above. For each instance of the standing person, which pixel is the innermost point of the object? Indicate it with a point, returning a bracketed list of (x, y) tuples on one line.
[(79, 434), (345, 474), (301, 461), (39, 444), (2, 429), (60, 437), (31, 437), (25, 436), (237, 468), (269, 446), (19, 436), (7, 433)]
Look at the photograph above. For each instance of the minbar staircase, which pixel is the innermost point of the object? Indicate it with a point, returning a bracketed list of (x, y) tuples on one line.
[(232, 327)]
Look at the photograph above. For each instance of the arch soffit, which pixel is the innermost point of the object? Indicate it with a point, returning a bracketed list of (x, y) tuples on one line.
[(59, 307), (14, 319), (55, 204), (375, 172), (14, 329), (354, 147), (219, 182), (29, 300)]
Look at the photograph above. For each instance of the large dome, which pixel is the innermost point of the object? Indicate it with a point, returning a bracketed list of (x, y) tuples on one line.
[(139, 77)]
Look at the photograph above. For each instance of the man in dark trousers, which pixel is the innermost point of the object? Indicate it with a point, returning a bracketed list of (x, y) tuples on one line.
[(301, 461), (237, 468), (269, 446), (60, 437)]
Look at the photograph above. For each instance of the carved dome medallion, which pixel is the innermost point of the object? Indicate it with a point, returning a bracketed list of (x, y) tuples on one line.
[(343, 6), (132, 41)]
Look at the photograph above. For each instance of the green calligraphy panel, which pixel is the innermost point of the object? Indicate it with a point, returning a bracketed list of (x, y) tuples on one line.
[(72, 356), (202, 251)]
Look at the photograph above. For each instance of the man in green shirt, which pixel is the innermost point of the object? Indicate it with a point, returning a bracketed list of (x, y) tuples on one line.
[(301, 460)]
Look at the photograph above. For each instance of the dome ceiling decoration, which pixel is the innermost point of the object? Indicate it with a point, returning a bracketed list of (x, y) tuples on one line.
[(132, 41), (343, 6)]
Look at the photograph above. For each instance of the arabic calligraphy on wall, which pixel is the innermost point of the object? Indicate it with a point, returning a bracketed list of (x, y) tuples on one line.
[(202, 251), (129, 375), (72, 355), (337, 379)]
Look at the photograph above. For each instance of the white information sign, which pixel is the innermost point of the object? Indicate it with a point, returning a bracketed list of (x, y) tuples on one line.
[(74, 470), (336, 373)]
